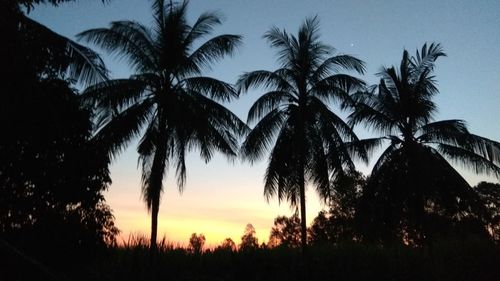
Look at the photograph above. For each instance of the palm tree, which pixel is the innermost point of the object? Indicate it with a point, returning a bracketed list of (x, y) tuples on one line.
[(167, 101), (310, 141), (412, 175)]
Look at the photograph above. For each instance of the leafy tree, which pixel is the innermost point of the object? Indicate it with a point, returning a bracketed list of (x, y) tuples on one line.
[(52, 177), (196, 243), (310, 143), (167, 100), (227, 245), (412, 184), (490, 197), (338, 223), (35, 52), (285, 232), (248, 240), (52, 174)]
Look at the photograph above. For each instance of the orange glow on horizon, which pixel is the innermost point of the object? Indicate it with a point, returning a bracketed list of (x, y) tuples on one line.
[(219, 200)]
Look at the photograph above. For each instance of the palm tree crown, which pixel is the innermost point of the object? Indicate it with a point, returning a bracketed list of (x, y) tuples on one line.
[(167, 100), (401, 108), (309, 141)]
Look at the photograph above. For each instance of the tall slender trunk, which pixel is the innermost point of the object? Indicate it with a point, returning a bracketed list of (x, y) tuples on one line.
[(154, 227), (302, 164), (156, 179), (303, 225)]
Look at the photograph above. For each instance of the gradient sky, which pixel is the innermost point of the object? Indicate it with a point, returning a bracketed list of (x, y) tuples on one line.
[(220, 198)]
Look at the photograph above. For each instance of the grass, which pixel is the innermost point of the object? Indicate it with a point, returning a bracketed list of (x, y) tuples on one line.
[(447, 260)]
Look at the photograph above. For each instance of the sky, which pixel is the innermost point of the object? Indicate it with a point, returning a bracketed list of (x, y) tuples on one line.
[(221, 197)]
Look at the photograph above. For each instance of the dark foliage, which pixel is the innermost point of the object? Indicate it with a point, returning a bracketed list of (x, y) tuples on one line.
[(337, 225), (490, 197), (196, 243), (285, 232), (457, 260), (248, 240), (52, 175)]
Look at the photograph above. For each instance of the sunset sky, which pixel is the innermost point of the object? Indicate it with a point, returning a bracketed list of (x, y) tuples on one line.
[(220, 197)]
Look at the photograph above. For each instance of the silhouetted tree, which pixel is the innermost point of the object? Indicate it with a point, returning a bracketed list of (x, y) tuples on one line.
[(52, 174), (412, 183), (310, 141), (196, 243), (248, 240), (167, 100), (34, 51), (52, 177), (227, 245), (490, 197), (285, 232), (338, 223)]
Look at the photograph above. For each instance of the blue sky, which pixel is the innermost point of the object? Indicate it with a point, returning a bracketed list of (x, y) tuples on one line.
[(221, 197)]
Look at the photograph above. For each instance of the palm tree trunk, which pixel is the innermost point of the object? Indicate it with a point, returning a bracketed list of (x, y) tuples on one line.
[(302, 165), (303, 225), (154, 226), (155, 185)]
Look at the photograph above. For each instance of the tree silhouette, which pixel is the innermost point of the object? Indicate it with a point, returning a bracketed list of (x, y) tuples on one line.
[(285, 232), (338, 223), (52, 174), (412, 183), (490, 196), (168, 100), (248, 240), (310, 143), (227, 245), (196, 243)]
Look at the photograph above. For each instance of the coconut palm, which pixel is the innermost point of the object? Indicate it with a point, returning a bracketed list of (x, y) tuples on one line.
[(167, 100), (412, 175), (310, 143)]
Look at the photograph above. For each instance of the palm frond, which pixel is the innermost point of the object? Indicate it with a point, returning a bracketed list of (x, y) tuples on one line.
[(486, 148), (211, 87), (86, 66), (369, 110), (425, 59), (221, 117), (328, 118), (336, 88), (336, 64), (262, 135), (317, 167), (158, 7), (385, 156), (80, 63), (263, 78), (470, 160), (445, 131), (365, 147), (203, 26), (114, 94), (281, 40), (283, 174), (153, 173), (267, 103), (127, 40), (211, 51), (115, 135)]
